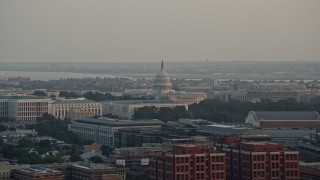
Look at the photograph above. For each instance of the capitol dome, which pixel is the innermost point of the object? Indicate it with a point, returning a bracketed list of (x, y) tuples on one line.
[(162, 81)]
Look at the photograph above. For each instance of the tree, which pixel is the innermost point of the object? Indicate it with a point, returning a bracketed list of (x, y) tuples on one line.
[(47, 116), (75, 158), (39, 93), (88, 142), (96, 159), (52, 96), (68, 95), (2, 128), (146, 113), (109, 115), (48, 125), (8, 151), (24, 143), (106, 150)]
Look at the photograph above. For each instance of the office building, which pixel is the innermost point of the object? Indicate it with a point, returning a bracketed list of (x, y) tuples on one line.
[(283, 119), (23, 108), (138, 137), (76, 113), (92, 171), (261, 160), (61, 108), (188, 162), (38, 173), (102, 130), (309, 171), (127, 157), (187, 98)]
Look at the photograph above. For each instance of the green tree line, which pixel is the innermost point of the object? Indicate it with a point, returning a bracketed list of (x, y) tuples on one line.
[(48, 125), (216, 110)]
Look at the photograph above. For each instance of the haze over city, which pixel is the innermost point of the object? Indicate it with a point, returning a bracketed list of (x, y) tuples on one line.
[(141, 30), (159, 90)]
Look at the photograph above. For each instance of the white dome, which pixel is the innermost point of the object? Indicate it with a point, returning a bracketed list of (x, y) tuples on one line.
[(162, 77), (162, 81)]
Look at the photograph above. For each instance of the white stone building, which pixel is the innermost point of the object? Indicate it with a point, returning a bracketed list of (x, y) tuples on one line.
[(162, 82), (23, 108), (61, 108)]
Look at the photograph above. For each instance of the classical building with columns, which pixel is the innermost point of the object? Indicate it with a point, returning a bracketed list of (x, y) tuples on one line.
[(23, 108), (162, 82), (61, 108)]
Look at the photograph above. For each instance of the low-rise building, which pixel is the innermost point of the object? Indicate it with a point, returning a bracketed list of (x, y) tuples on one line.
[(38, 173), (187, 98), (137, 137), (287, 136), (91, 171), (14, 136), (4, 171), (18, 133), (128, 157), (283, 119), (94, 147), (76, 113), (310, 171), (61, 108), (102, 130), (23, 108), (7, 169)]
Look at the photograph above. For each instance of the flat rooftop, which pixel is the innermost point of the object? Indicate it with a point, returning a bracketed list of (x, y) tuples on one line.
[(140, 102), (286, 115), (114, 122), (92, 166), (35, 170), (229, 126), (74, 101), (23, 97)]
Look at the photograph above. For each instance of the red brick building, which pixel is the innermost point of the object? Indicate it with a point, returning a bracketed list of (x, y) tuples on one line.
[(38, 173), (261, 161), (188, 162), (309, 171), (283, 119)]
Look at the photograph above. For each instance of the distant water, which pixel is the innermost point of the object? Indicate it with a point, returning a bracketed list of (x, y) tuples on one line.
[(45, 76)]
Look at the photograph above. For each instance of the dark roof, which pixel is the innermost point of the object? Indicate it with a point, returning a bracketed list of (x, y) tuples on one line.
[(23, 97), (75, 101), (138, 170), (114, 122), (285, 115)]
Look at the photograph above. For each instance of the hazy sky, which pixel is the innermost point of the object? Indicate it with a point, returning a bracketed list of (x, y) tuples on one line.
[(151, 30)]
